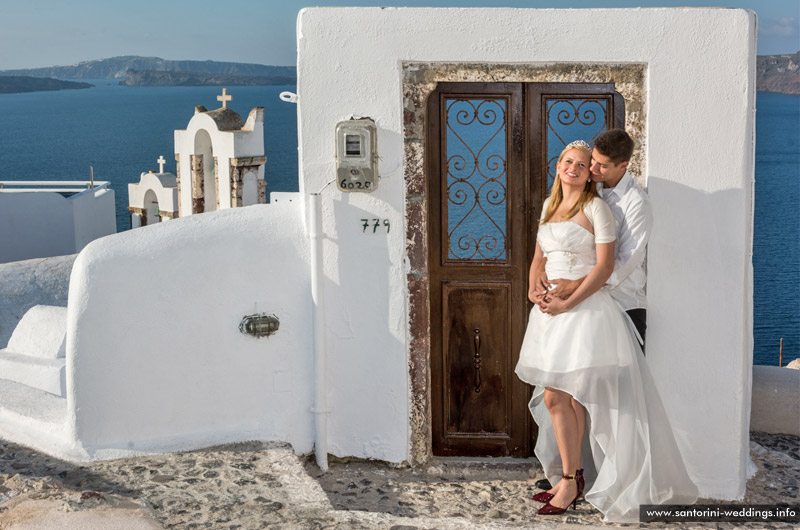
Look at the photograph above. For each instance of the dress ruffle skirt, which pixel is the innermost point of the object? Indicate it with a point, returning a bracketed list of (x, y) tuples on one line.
[(630, 456)]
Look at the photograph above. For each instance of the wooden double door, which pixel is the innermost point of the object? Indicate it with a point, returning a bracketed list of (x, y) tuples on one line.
[(491, 153)]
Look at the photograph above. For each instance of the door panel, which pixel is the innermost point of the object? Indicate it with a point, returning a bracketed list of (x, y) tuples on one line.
[(478, 254), (476, 343)]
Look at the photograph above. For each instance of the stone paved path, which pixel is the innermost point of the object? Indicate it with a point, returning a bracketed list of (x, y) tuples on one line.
[(265, 485)]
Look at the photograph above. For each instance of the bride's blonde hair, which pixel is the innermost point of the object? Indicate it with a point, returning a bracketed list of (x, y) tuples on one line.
[(556, 195)]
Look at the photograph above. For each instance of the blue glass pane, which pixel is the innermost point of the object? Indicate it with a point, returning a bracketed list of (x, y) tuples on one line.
[(569, 120), (476, 154)]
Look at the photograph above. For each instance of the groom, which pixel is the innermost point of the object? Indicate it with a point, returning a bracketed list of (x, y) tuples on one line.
[(631, 208)]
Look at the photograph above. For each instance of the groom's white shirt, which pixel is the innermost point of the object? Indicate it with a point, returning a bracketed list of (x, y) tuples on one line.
[(634, 217)]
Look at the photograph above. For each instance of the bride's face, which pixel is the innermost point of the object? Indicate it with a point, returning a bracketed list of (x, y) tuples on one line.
[(573, 168)]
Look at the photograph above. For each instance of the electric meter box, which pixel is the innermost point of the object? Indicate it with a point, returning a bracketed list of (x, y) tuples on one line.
[(356, 155)]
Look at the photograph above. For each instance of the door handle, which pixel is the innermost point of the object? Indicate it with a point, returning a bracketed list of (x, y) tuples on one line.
[(477, 360)]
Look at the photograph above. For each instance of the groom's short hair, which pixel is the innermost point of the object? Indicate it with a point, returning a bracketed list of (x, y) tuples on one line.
[(616, 144)]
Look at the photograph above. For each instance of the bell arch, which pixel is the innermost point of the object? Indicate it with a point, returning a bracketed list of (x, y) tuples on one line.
[(204, 180), (152, 213)]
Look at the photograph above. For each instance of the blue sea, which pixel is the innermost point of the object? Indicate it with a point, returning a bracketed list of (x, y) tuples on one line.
[(122, 131), (776, 238)]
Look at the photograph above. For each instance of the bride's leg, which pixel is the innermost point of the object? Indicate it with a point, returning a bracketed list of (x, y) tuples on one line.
[(565, 427), (580, 415)]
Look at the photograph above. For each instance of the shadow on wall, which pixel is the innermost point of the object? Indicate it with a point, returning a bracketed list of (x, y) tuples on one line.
[(365, 337), (700, 299), (698, 260)]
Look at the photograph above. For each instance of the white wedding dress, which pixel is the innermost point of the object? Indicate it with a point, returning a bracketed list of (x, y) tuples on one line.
[(629, 455)]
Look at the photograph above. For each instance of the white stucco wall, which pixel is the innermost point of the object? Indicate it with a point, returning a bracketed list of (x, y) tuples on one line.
[(155, 359), (94, 215), (700, 159), (251, 142), (41, 224)]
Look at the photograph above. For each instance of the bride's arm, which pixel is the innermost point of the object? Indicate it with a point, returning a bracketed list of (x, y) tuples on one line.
[(596, 278), (537, 278)]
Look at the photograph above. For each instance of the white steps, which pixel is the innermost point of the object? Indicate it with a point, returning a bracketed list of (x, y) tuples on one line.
[(37, 419), (23, 401), (45, 374), (36, 353), (41, 333), (33, 406)]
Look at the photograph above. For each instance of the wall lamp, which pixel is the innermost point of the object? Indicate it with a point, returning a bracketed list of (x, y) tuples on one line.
[(259, 325)]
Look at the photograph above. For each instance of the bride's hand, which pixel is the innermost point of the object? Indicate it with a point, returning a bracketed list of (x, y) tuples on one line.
[(553, 306)]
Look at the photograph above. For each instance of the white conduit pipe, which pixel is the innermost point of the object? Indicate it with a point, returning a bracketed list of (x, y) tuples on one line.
[(320, 406)]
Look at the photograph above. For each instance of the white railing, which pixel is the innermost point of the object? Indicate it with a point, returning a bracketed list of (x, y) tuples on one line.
[(77, 187)]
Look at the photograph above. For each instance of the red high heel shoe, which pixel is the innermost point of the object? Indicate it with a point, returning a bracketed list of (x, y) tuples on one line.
[(549, 509), (542, 496)]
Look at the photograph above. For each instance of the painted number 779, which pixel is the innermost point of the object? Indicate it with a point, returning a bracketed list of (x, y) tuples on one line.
[(374, 224)]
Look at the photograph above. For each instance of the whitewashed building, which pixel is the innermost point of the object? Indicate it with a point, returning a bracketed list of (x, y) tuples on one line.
[(396, 329), (213, 141), (154, 198), (53, 218)]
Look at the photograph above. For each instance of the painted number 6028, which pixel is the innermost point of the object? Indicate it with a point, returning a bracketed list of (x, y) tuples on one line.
[(347, 185)]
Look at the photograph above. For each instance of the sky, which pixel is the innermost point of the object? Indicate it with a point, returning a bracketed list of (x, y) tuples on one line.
[(37, 33)]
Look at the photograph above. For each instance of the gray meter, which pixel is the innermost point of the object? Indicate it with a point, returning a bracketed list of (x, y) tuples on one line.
[(356, 155)]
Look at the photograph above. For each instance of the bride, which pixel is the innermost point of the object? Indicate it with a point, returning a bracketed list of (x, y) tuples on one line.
[(594, 398)]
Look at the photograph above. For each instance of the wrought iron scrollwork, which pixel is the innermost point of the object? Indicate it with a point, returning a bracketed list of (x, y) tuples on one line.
[(572, 119), (476, 178)]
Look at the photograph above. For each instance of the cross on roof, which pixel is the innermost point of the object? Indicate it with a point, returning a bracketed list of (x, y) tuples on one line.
[(224, 98), (161, 163)]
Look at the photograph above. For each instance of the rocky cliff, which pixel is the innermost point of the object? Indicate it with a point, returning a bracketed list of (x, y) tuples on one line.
[(162, 78), (779, 73), (18, 84), (117, 67), (775, 73)]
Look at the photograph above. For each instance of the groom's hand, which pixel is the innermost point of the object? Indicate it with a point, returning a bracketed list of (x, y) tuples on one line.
[(540, 284), (536, 297), (564, 288)]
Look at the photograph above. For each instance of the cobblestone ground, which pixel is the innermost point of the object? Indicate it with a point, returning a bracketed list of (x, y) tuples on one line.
[(265, 485)]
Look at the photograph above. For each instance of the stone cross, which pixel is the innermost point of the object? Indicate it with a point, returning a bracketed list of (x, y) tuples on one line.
[(161, 163), (224, 98)]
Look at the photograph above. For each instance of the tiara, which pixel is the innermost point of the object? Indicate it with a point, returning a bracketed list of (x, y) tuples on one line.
[(578, 143)]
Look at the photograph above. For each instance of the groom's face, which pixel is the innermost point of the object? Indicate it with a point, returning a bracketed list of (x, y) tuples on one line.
[(605, 171)]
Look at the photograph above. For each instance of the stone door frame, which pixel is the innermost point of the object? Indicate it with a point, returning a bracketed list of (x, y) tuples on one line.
[(419, 80)]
